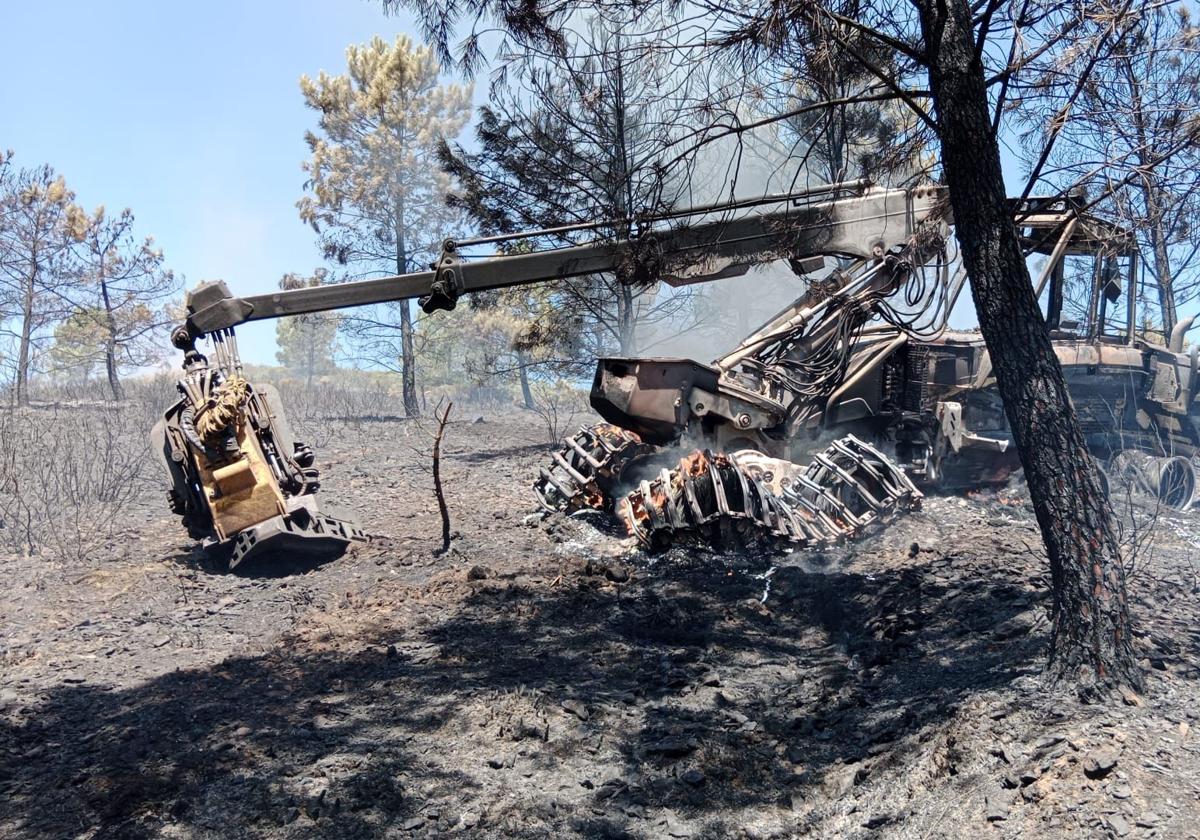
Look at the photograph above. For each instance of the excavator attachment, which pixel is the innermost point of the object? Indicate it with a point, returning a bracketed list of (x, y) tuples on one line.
[(239, 481)]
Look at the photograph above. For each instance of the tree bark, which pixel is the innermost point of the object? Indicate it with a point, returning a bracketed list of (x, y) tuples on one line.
[(523, 372), (408, 358), (1090, 639), (24, 351), (310, 353), (110, 343), (412, 407), (626, 318), (437, 477), (623, 207), (1162, 259), (1150, 196)]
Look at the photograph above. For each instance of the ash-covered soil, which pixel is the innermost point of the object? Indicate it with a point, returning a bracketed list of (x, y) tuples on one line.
[(547, 679)]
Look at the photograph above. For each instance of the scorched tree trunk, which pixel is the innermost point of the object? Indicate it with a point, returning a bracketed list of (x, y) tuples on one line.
[(1090, 638)]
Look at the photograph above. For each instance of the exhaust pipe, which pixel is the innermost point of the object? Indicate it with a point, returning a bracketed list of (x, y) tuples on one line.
[(1175, 342), (1171, 480)]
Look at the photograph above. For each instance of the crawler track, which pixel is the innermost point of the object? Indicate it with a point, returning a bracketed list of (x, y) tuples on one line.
[(585, 471), (746, 496), (724, 498)]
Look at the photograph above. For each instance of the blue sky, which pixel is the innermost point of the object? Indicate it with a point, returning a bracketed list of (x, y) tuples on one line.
[(191, 115), (188, 113)]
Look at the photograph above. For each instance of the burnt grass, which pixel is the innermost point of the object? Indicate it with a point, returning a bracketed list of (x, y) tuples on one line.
[(545, 678)]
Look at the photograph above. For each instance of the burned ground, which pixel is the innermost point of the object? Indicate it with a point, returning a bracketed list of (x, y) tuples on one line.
[(544, 678)]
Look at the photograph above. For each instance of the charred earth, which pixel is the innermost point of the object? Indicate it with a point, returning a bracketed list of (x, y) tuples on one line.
[(549, 677)]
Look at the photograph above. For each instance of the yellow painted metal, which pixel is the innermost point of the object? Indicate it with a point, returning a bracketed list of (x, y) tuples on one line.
[(242, 492), (237, 476)]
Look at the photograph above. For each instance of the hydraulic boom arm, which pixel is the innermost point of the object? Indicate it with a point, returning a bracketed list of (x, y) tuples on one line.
[(817, 222)]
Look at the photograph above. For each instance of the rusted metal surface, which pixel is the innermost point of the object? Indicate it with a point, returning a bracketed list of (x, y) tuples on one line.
[(586, 470), (731, 499)]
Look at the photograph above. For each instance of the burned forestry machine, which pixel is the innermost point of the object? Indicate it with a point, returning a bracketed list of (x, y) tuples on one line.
[(865, 351), (243, 485)]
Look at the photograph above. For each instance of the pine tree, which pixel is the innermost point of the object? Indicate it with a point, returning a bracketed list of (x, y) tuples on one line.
[(79, 344), (124, 289), (37, 216), (584, 136), (375, 193)]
